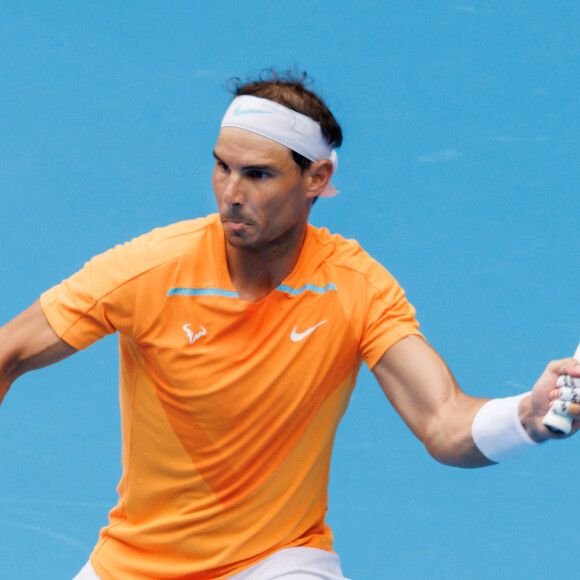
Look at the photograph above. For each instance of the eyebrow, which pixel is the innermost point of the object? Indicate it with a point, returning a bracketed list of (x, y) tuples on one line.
[(246, 167)]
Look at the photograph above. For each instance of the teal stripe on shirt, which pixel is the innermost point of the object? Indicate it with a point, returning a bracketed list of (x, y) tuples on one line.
[(311, 287), (202, 292), (230, 294)]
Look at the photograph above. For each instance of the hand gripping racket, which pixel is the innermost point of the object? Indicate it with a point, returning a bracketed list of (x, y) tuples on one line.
[(557, 418)]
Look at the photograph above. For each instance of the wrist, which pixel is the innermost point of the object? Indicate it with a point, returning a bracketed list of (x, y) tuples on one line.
[(497, 430), (531, 424)]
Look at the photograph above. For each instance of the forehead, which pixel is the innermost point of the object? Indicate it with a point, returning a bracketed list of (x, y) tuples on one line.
[(242, 146)]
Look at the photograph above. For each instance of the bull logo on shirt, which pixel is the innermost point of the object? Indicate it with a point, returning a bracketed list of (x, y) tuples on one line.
[(191, 336)]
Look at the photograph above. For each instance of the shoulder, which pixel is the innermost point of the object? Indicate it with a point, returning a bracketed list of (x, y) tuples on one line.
[(128, 282), (178, 235), (374, 302), (346, 256), (158, 252), (163, 245)]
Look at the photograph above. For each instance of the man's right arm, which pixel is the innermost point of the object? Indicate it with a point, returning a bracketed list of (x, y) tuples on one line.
[(28, 342)]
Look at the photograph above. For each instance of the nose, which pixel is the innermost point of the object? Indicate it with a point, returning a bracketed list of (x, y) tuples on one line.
[(232, 192)]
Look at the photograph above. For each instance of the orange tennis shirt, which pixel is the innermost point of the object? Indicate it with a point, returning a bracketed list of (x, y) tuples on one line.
[(229, 408)]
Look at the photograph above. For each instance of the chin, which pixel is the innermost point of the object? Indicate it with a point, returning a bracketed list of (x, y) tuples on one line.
[(242, 243)]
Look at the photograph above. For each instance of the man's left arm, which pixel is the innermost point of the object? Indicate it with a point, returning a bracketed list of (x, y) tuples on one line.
[(424, 392)]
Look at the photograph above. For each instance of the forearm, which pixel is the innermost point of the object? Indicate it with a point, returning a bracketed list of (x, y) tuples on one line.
[(461, 430), (10, 370), (504, 428), (448, 435), (5, 384), (26, 343), (423, 390)]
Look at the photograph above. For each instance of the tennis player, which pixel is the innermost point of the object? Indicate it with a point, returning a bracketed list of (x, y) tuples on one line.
[(241, 335)]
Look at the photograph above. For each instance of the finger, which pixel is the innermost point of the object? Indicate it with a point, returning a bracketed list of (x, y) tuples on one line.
[(568, 382), (566, 409), (561, 407), (571, 386), (569, 394), (566, 366)]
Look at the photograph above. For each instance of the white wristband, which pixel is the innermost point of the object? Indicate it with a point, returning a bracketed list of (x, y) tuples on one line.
[(497, 431)]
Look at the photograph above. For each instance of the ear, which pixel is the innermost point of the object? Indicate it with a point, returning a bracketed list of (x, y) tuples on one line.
[(319, 174)]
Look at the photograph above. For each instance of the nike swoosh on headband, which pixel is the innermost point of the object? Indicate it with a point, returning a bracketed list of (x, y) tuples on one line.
[(240, 111)]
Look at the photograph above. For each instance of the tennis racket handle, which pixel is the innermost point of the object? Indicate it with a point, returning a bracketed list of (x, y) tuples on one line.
[(557, 423), (560, 422)]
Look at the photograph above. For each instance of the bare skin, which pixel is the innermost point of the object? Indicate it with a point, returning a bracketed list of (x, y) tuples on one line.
[(28, 342), (264, 200)]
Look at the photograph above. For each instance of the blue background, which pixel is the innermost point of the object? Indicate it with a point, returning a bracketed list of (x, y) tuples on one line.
[(459, 172)]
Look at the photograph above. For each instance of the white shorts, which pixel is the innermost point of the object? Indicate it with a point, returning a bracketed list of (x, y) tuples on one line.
[(287, 564)]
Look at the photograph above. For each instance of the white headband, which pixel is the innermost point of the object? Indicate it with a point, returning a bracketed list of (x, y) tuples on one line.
[(285, 126)]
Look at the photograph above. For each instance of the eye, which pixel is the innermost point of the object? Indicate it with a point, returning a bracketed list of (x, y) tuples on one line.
[(221, 165), (257, 174)]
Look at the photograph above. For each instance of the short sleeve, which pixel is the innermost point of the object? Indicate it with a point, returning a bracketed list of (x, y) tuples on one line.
[(120, 290), (389, 315)]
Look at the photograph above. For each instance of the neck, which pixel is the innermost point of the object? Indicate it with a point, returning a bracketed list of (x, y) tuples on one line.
[(255, 272)]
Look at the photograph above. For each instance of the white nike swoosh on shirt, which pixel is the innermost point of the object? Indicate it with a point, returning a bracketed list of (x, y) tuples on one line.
[(297, 336)]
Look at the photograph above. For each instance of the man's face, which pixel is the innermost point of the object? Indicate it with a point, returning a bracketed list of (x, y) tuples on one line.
[(262, 195)]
